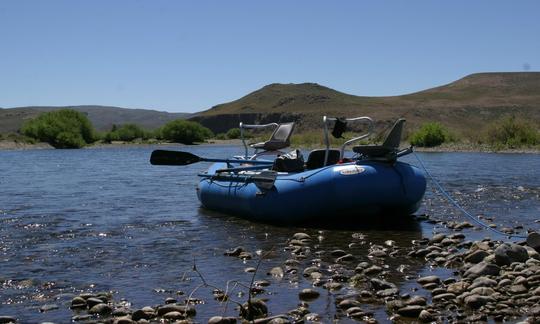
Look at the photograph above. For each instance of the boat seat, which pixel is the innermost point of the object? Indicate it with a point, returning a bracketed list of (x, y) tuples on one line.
[(279, 139), (388, 150), (316, 158)]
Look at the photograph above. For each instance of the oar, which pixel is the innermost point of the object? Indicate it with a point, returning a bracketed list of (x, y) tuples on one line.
[(164, 157)]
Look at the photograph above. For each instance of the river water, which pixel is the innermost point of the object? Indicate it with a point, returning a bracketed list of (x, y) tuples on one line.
[(90, 220)]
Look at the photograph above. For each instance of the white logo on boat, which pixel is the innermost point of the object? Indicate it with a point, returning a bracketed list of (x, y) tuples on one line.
[(349, 169)]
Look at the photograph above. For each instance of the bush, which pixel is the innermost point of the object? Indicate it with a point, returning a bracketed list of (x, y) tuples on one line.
[(512, 132), (221, 136), (233, 133), (184, 131), (65, 128), (429, 135), (127, 133)]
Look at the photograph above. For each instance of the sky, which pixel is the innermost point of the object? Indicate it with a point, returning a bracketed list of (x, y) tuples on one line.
[(187, 56)]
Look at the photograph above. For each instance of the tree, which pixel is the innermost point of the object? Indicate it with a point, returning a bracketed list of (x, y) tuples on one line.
[(65, 128), (184, 131)]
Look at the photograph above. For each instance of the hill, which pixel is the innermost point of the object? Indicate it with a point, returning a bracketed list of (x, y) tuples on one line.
[(464, 105), (102, 117)]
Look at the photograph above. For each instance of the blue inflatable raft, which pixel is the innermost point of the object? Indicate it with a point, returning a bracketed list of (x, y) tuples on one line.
[(327, 186)]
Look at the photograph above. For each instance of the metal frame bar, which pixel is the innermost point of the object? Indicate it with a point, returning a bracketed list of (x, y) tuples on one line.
[(342, 149)]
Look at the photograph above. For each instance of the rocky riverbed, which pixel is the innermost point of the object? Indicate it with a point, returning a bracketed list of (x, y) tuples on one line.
[(472, 280)]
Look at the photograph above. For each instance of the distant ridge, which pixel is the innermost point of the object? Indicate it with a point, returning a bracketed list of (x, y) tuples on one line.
[(102, 117), (463, 105)]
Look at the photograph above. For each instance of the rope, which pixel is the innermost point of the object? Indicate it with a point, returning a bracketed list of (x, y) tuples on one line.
[(455, 203)]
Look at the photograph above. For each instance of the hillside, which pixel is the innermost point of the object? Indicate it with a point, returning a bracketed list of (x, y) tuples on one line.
[(102, 117), (464, 105)]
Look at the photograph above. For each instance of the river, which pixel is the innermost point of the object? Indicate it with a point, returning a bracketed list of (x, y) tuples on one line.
[(74, 221)]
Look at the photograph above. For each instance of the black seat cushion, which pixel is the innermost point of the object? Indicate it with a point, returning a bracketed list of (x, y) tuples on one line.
[(316, 158)]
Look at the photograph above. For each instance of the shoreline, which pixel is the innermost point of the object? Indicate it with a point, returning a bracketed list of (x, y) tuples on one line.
[(7, 145)]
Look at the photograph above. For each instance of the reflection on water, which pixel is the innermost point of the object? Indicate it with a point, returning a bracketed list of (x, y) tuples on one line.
[(105, 219)]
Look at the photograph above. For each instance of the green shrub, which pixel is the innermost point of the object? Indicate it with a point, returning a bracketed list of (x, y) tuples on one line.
[(221, 136), (127, 133), (233, 133), (184, 131), (65, 128), (429, 135), (512, 132)]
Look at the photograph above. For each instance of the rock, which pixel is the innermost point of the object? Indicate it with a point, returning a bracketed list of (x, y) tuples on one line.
[(276, 272), (256, 309), (533, 240), (245, 256), (457, 287), (482, 269), (123, 320), (482, 291), (428, 279), (308, 294), (48, 307), (426, 316), (446, 296), (301, 236), (235, 251), (78, 318), (262, 283), (348, 303), (307, 271), (7, 319), (122, 311), (387, 292), (92, 301), (416, 300), (345, 258), (483, 282), (172, 316), (437, 238), (78, 302), (476, 256), (282, 319), (315, 275), (333, 286), (222, 320), (372, 270), (379, 284), (338, 253), (141, 314), (377, 254), (410, 311), (507, 253), (476, 301), (184, 309), (517, 289), (100, 309)]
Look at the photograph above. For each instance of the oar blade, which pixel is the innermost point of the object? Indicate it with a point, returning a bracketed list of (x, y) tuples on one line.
[(164, 157)]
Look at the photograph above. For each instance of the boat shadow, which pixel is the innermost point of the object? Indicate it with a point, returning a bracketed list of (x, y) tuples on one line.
[(388, 222)]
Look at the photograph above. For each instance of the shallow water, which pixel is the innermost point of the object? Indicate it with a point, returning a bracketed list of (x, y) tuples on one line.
[(73, 221)]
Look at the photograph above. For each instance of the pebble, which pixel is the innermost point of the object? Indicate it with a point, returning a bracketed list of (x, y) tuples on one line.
[(308, 294), (428, 280), (48, 307), (457, 287), (410, 311), (100, 309), (7, 319), (222, 320)]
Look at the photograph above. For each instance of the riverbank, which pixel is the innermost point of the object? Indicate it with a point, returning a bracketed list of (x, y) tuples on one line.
[(468, 280), (446, 147)]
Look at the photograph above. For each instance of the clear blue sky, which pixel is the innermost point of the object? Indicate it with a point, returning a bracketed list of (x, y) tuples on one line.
[(191, 55)]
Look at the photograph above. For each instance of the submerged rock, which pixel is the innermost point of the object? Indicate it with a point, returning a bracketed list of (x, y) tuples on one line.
[(308, 294)]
